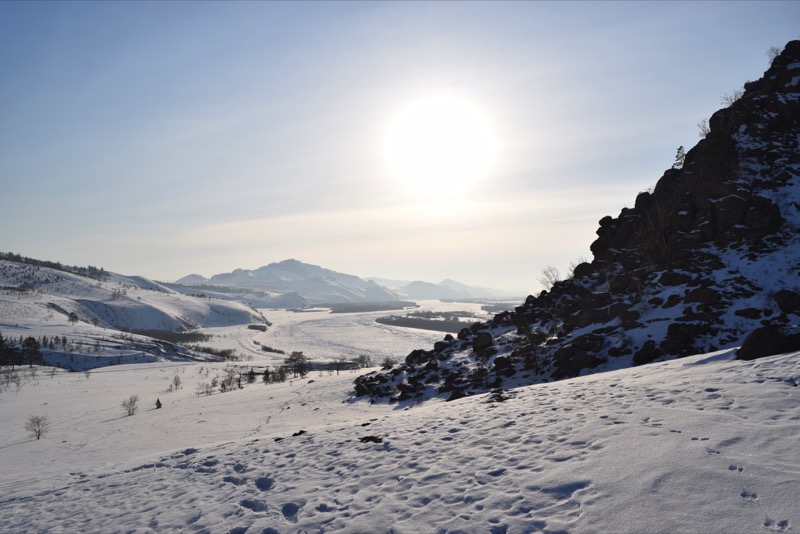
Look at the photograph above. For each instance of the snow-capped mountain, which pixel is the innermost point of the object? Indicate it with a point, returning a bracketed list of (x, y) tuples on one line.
[(708, 256)]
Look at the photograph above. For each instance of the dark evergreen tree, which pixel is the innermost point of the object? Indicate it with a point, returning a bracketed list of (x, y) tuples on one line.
[(31, 352), (680, 156), (298, 364)]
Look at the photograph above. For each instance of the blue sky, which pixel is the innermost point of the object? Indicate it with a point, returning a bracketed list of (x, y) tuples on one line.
[(163, 139)]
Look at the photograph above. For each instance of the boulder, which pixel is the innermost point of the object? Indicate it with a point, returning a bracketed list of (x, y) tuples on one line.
[(681, 336), (482, 341), (768, 341), (647, 353), (788, 301)]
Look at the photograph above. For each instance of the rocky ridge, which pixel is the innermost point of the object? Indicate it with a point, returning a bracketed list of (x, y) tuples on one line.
[(707, 256)]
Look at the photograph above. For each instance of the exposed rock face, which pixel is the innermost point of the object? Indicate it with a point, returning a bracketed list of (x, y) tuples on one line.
[(710, 254)]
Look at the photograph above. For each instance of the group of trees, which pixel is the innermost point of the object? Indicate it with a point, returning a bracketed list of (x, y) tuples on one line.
[(26, 351), (296, 365), (89, 271)]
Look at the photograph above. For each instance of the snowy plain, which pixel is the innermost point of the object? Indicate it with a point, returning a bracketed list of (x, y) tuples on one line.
[(701, 444)]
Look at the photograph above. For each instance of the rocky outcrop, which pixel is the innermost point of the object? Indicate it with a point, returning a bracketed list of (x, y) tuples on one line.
[(710, 254), (768, 341)]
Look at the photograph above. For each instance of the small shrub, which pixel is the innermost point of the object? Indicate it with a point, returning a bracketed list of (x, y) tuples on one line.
[(37, 425), (130, 404)]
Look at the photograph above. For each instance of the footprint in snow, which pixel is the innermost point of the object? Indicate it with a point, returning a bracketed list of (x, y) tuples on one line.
[(749, 495), (735, 469), (779, 525)]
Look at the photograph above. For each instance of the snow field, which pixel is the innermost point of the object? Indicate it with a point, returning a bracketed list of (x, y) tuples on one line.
[(702, 444)]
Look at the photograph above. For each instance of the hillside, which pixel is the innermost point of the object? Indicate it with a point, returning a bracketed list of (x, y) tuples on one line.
[(114, 315), (704, 444), (706, 257)]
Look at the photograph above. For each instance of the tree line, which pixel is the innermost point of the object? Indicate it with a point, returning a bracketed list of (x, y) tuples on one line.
[(88, 271), (25, 351)]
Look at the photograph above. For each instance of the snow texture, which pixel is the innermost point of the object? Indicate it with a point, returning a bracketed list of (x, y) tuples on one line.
[(700, 444)]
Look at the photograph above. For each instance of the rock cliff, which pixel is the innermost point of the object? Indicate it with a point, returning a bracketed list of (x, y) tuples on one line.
[(709, 255)]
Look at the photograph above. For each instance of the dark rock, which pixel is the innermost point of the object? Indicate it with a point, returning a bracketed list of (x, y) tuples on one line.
[(417, 357), (482, 341), (748, 313), (768, 341), (439, 346), (582, 270), (589, 342), (788, 301), (647, 353), (361, 389), (681, 336), (703, 295)]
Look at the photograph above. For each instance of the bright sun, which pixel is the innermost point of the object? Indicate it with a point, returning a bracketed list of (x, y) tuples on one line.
[(440, 144)]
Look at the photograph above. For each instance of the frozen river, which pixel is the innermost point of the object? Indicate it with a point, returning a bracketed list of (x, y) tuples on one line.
[(321, 335)]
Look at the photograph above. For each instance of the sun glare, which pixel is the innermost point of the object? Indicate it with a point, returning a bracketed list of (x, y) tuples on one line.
[(440, 144)]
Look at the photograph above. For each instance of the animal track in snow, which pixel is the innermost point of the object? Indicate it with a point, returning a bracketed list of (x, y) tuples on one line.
[(780, 525), (264, 483), (655, 423), (735, 469), (749, 495), (254, 505)]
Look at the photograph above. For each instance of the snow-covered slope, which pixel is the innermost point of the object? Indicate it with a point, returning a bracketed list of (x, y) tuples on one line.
[(702, 444), (36, 301)]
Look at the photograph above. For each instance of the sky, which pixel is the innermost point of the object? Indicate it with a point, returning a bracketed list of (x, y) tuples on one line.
[(168, 138)]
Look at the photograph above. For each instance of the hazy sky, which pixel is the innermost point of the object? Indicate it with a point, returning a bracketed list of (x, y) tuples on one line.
[(163, 139)]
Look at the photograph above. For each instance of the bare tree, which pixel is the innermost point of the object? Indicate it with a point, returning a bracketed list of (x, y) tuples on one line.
[(37, 425), (130, 404), (773, 52), (705, 129), (364, 360), (729, 98), (550, 276)]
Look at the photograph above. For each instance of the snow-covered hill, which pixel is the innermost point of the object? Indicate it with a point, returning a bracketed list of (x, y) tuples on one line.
[(37, 300), (702, 444)]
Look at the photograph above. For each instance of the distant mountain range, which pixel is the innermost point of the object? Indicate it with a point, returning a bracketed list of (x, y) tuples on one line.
[(316, 285)]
